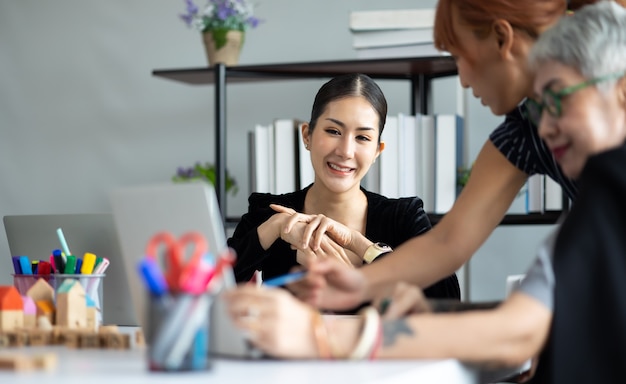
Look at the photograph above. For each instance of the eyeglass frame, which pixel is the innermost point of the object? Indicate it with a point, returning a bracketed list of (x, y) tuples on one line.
[(534, 108)]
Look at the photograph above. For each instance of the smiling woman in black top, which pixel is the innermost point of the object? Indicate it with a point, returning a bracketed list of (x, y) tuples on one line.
[(343, 138)]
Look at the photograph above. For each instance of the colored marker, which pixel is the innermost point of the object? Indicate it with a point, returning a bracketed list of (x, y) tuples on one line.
[(152, 277), (58, 260), (102, 266), (16, 265), (285, 279), (25, 265), (89, 261), (79, 265), (61, 237), (70, 265)]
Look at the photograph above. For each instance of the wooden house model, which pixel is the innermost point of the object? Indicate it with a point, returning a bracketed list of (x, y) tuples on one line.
[(11, 309), (71, 305)]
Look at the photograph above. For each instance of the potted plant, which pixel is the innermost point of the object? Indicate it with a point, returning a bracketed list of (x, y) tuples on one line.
[(223, 24), (204, 172)]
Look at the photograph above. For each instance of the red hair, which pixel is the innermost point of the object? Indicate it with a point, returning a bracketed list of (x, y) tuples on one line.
[(529, 16)]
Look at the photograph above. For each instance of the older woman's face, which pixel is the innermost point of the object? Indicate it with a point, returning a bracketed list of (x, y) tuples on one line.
[(591, 120)]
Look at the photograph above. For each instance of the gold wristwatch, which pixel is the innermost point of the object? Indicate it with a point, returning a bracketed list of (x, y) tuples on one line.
[(375, 250)]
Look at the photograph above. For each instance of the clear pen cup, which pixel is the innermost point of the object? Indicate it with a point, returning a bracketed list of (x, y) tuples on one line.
[(177, 333), (91, 284)]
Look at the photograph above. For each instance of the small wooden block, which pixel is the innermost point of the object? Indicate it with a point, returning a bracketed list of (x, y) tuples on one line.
[(9, 339), (71, 339), (89, 340), (19, 362), (15, 363), (140, 340), (4, 340), (108, 329), (46, 362), (39, 337), (117, 341)]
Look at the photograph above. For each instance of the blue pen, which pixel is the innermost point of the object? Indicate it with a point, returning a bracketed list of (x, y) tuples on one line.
[(152, 276), (285, 279), (25, 265), (79, 264)]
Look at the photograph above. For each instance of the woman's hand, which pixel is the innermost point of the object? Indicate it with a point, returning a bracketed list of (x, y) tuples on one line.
[(317, 227), (328, 249), (405, 299), (331, 285), (273, 320)]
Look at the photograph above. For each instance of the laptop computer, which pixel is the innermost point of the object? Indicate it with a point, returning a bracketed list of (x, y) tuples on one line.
[(36, 236), (142, 211)]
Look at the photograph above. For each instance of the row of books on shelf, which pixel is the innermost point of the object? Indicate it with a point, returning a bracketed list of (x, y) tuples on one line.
[(422, 156), (543, 195), (393, 33)]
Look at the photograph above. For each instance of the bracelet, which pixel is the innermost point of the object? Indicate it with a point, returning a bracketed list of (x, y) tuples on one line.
[(321, 335), (371, 335)]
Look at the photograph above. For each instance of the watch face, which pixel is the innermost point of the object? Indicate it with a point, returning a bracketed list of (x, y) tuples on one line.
[(382, 246)]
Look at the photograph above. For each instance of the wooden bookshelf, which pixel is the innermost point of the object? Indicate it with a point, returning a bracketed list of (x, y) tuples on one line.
[(417, 71)]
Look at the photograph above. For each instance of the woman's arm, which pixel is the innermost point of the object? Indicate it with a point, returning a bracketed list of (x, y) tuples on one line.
[(492, 186), (507, 335), (285, 327)]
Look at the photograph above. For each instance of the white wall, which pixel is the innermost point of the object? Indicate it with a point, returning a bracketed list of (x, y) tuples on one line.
[(80, 112)]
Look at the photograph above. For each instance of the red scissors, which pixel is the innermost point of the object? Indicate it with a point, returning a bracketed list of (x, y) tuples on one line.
[(177, 264)]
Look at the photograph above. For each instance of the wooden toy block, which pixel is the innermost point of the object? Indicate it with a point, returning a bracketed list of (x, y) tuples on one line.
[(140, 341), (108, 329), (4, 340), (9, 339), (116, 341), (20, 362), (15, 363), (71, 339), (40, 337), (46, 361), (89, 340)]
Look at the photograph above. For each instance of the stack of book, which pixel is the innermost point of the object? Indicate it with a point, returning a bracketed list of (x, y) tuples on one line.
[(278, 161), (543, 194), (422, 156), (393, 33)]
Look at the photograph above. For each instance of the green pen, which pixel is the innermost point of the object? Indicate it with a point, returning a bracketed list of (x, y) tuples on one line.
[(98, 261), (70, 265)]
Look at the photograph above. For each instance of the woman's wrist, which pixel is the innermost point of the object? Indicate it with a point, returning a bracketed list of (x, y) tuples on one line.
[(359, 244), (269, 231)]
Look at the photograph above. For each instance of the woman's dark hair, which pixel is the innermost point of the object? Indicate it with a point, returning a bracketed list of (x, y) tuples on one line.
[(351, 85)]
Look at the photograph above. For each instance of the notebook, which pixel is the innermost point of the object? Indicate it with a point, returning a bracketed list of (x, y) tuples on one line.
[(142, 211), (36, 236)]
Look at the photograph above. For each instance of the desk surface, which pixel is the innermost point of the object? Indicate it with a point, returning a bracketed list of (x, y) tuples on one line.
[(121, 367)]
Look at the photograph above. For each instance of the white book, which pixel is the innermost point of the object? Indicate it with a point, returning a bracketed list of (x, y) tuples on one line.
[(408, 153), (262, 155), (306, 173), (446, 141), (427, 173), (534, 193), (389, 159), (410, 50), (285, 159), (553, 195), (391, 37), (392, 19)]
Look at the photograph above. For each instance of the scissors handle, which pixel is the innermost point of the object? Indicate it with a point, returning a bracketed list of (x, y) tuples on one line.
[(176, 262)]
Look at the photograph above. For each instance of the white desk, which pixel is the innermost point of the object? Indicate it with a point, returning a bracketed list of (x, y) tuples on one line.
[(88, 366)]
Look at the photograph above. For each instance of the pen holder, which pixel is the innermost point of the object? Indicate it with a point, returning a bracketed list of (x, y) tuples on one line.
[(177, 332), (89, 286)]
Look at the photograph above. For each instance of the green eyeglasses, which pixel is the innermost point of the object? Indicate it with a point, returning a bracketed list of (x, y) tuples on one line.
[(551, 100)]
